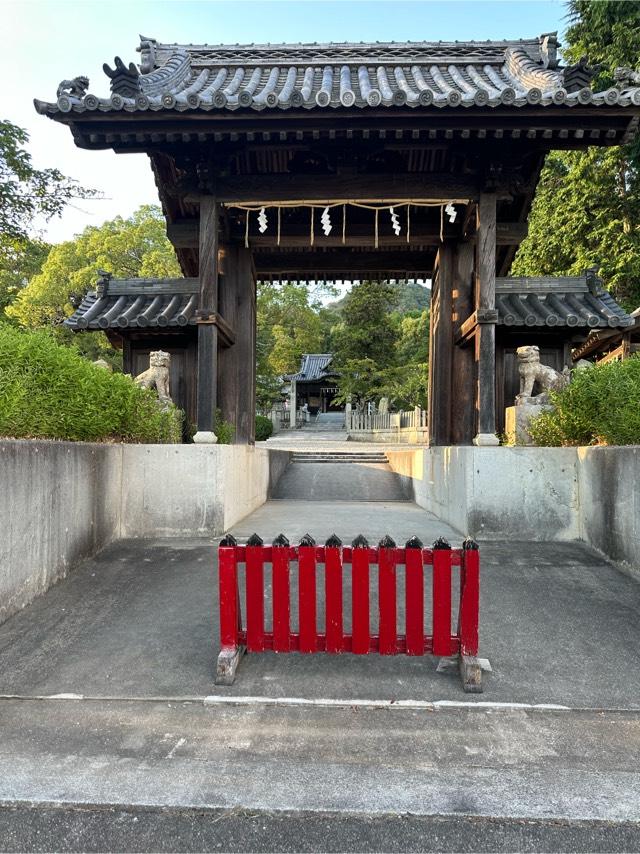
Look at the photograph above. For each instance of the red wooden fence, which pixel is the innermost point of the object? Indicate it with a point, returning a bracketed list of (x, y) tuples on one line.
[(443, 560)]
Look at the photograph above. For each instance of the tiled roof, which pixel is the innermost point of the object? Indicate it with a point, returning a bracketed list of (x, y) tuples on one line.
[(313, 367), (557, 301), (142, 303), (416, 74)]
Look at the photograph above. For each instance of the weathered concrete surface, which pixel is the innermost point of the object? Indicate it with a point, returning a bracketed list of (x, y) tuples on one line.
[(558, 624), (63, 501), (99, 828), (609, 483), (59, 503), (493, 763), (191, 490), (590, 494), (341, 482)]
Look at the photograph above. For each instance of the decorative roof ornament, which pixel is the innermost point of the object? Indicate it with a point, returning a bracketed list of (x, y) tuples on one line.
[(549, 45), (626, 78), (76, 88), (147, 50), (125, 80), (579, 75)]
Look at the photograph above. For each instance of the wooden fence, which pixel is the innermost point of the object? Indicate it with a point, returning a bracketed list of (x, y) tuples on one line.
[(411, 419)]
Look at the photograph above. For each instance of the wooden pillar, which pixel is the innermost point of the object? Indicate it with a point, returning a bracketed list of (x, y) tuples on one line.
[(440, 349), (463, 420), (485, 338), (207, 399), (237, 364)]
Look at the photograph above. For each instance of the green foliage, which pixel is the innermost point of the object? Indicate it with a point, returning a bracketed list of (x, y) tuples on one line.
[(264, 428), (50, 392), (601, 405), (587, 207), (27, 192), (412, 346), (20, 260), (368, 330), (362, 381), (136, 246), (224, 430)]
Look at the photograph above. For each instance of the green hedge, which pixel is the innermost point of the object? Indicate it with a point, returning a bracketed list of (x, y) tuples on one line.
[(264, 428), (601, 405), (48, 391)]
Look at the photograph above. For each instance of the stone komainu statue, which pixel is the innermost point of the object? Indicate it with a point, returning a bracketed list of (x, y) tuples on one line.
[(532, 371), (157, 375)]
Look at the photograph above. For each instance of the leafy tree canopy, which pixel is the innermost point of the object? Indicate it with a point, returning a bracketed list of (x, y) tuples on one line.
[(27, 192), (587, 207), (136, 246)]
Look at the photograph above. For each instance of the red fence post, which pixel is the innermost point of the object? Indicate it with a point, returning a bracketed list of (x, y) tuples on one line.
[(469, 598), (387, 596), (360, 641), (442, 598), (333, 594), (307, 594), (414, 592), (281, 594), (255, 594), (228, 592)]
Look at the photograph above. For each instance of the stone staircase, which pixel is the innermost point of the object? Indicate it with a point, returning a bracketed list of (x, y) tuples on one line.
[(330, 456)]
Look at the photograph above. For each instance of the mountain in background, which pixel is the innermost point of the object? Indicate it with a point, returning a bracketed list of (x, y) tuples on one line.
[(411, 297)]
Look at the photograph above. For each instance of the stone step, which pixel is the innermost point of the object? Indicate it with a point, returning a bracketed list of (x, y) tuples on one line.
[(337, 457)]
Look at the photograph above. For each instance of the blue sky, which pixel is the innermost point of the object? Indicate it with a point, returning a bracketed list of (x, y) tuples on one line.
[(46, 42)]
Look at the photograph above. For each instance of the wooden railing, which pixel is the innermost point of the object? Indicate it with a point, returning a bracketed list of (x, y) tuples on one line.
[(413, 419)]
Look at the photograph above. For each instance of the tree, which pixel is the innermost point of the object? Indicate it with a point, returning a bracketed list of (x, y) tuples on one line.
[(368, 330), (587, 207), (412, 346), (27, 192), (19, 262), (136, 246)]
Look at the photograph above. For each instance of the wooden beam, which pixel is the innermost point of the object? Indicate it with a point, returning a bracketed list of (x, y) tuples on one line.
[(207, 331), (184, 235), (441, 351), (463, 369), (257, 189), (485, 340), (327, 262)]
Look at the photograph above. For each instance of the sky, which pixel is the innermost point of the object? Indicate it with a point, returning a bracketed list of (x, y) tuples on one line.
[(46, 41)]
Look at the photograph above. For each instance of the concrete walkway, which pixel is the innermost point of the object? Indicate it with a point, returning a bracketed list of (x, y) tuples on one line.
[(108, 701)]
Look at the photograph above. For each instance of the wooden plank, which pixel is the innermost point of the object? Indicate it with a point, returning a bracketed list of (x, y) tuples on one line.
[(281, 598), (360, 601), (414, 605), (387, 601), (333, 599), (307, 598), (469, 601), (228, 367), (228, 593), (255, 598), (441, 593)]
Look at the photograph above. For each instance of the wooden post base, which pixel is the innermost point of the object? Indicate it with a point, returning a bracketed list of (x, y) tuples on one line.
[(228, 661), (470, 673)]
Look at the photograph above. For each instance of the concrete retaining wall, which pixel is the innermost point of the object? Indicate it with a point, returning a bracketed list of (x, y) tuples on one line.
[(398, 435), (591, 494), (61, 502)]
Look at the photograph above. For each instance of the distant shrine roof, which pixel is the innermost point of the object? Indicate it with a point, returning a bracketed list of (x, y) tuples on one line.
[(174, 77)]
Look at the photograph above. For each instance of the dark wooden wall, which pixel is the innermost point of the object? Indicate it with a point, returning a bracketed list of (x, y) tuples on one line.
[(182, 373)]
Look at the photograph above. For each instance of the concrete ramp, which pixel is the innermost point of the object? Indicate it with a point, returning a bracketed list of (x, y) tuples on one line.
[(318, 475)]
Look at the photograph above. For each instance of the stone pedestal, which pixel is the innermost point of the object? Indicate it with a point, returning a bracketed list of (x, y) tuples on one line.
[(205, 437), (517, 420)]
